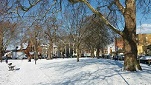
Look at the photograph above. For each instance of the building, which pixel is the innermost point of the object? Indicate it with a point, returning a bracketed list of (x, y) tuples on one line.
[(116, 46), (143, 41)]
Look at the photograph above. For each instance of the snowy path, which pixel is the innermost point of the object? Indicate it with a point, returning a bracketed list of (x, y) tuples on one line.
[(69, 72)]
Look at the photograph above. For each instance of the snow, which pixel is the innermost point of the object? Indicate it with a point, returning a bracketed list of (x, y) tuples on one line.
[(89, 71), (145, 58)]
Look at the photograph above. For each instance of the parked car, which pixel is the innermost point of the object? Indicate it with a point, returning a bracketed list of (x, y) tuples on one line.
[(3, 57), (20, 55), (121, 56), (145, 59)]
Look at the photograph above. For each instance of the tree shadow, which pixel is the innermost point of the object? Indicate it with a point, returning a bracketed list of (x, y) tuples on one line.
[(17, 69), (86, 75), (146, 69)]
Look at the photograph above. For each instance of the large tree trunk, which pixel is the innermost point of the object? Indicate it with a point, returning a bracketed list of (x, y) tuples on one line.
[(130, 61), (1, 44)]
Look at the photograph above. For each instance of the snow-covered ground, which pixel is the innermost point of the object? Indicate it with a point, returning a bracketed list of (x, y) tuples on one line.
[(69, 72)]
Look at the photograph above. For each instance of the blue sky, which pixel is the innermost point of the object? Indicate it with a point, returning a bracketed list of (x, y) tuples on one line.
[(143, 20), (143, 23)]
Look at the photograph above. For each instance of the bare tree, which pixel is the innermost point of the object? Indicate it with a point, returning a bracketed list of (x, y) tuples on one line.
[(8, 33), (76, 28), (125, 9), (96, 35), (4, 23), (129, 33), (50, 30)]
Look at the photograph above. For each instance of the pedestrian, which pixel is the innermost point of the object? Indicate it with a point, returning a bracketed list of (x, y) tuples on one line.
[(6, 59), (115, 57)]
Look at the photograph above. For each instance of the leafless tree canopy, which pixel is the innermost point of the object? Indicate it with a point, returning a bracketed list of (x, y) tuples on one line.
[(69, 21)]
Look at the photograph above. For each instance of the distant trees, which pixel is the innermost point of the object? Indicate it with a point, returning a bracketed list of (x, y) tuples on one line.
[(97, 36), (73, 24), (78, 21), (123, 12), (8, 28), (50, 34), (8, 32)]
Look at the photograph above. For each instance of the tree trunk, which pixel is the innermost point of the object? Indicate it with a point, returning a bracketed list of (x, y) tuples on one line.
[(49, 52), (97, 53), (35, 50), (92, 53), (1, 51), (78, 53), (130, 61), (1, 45)]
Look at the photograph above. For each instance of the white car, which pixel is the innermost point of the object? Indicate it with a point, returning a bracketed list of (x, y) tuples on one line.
[(145, 59), (3, 57)]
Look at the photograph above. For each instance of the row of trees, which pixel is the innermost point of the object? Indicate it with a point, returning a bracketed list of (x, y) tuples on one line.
[(127, 11), (38, 26), (56, 19)]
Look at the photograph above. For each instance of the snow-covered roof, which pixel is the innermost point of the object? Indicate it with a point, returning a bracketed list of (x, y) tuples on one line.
[(11, 47)]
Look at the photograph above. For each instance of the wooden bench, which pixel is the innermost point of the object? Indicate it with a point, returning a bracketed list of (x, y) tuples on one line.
[(11, 67)]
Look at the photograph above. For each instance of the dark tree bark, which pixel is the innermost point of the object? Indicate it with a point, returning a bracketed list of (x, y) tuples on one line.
[(78, 52), (130, 61), (97, 52), (1, 45)]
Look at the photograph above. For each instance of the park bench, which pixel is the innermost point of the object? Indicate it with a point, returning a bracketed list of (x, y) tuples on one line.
[(11, 67)]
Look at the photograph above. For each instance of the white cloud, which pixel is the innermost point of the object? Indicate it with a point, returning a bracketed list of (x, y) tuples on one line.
[(144, 29), (146, 25)]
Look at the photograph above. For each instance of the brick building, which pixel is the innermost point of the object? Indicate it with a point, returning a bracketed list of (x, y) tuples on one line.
[(143, 43)]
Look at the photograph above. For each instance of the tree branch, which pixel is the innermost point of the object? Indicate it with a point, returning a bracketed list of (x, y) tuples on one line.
[(102, 17), (27, 8), (119, 5)]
